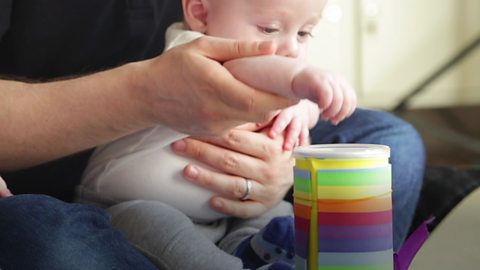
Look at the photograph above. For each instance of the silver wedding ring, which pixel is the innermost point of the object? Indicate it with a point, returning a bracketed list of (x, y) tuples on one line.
[(248, 189)]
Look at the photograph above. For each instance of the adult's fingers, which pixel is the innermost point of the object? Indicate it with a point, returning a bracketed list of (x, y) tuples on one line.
[(249, 143), (220, 158), (241, 209), (230, 189), (246, 103), (228, 186), (221, 49)]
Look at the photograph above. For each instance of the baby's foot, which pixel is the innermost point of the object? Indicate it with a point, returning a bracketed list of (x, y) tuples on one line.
[(275, 242)]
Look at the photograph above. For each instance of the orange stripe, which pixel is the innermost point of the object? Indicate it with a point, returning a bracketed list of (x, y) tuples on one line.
[(303, 211), (379, 204)]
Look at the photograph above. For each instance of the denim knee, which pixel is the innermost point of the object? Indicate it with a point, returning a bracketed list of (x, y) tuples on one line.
[(44, 230), (56, 235)]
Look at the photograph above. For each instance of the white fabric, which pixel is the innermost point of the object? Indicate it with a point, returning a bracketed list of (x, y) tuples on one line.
[(142, 165)]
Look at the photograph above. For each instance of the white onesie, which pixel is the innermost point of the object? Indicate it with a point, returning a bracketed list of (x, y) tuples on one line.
[(142, 165)]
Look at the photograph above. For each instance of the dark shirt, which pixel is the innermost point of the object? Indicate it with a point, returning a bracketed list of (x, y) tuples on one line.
[(46, 39)]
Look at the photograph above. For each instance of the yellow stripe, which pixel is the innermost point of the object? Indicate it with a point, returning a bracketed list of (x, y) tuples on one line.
[(301, 201), (316, 164), (353, 193), (301, 195), (313, 230)]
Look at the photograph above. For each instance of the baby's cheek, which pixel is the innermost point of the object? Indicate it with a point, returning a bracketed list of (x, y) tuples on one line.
[(303, 53)]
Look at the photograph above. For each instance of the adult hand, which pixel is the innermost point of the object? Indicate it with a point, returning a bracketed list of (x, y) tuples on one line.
[(4, 191), (188, 88), (239, 155)]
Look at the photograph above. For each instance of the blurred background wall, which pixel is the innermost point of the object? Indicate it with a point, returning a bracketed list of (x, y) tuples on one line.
[(386, 48)]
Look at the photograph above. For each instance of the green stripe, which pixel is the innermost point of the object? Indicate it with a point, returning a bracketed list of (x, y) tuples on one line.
[(362, 267), (356, 178), (302, 184)]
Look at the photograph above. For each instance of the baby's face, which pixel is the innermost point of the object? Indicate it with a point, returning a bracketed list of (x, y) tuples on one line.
[(288, 23)]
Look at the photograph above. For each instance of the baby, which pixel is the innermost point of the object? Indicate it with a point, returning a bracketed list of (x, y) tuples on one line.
[(141, 166)]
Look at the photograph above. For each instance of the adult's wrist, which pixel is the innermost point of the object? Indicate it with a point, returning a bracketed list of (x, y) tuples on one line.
[(138, 89), (143, 81)]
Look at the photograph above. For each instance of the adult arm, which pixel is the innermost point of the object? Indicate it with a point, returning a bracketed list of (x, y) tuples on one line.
[(237, 155), (186, 89)]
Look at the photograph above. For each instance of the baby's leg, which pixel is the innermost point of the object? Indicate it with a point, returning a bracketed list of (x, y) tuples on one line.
[(169, 238), (266, 239)]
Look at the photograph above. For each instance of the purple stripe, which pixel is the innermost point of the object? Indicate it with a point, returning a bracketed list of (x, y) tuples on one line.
[(301, 244), (355, 232), (355, 245)]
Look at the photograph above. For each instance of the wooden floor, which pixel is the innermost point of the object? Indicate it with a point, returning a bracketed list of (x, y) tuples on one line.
[(451, 135)]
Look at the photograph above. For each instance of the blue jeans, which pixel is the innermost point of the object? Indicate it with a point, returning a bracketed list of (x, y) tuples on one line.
[(40, 232)]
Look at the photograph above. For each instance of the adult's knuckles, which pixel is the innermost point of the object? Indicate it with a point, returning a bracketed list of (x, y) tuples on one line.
[(231, 139), (237, 48), (229, 162), (271, 149), (270, 175), (194, 149)]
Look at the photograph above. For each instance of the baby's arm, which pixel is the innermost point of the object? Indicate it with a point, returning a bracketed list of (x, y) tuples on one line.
[(294, 78)]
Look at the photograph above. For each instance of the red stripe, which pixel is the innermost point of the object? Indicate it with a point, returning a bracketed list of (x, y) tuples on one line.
[(370, 218), (302, 224)]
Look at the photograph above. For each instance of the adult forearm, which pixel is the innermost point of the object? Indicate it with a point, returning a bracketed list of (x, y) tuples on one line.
[(45, 121), (185, 88)]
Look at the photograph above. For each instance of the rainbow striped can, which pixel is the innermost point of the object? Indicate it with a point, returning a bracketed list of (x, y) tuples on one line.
[(343, 207)]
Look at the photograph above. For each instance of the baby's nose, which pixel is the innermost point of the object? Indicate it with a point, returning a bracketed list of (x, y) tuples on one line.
[(288, 47)]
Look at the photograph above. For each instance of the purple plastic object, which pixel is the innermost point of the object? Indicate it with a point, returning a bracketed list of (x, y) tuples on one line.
[(404, 257)]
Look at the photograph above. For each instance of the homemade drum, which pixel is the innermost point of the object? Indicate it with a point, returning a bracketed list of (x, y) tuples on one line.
[(343, 207)]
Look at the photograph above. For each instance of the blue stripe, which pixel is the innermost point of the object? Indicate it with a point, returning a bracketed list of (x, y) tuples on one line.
[(301, 173), (355, 245), (356, 259)]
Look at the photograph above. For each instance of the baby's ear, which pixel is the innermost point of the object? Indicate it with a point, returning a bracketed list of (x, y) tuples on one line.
[(195, 14)]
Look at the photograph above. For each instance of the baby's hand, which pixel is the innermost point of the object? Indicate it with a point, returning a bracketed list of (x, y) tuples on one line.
[(4, 191), (295, 122), (333, 94)]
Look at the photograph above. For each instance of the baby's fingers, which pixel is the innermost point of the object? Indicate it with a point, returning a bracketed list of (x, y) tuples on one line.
[(348, 106), (304, 138), (292, 134), (280, 123), (337, 102)]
